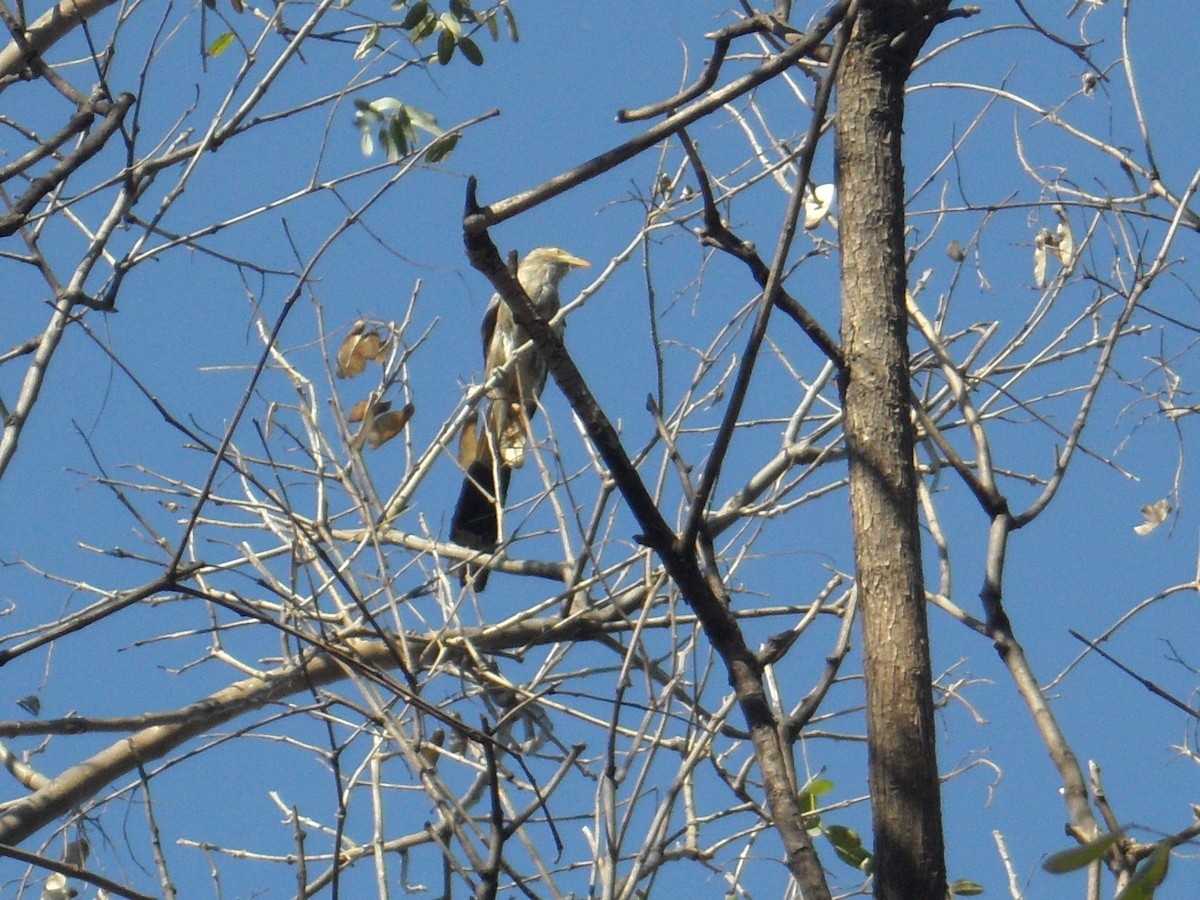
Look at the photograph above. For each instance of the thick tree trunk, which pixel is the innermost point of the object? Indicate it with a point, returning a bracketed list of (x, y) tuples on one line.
[(903, 773)]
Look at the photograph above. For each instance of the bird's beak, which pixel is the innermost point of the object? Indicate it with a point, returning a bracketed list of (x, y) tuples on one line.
[(577, 262)]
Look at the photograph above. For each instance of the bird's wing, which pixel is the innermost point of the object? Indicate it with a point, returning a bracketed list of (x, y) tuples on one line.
[(488, 326)]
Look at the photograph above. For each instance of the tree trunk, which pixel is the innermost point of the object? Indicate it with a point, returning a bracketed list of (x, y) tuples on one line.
[(903, 775)]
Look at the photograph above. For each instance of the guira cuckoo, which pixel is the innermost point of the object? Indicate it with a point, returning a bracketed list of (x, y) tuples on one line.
[(490, 458)]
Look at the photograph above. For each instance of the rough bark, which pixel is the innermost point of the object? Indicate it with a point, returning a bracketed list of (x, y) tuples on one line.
[(903, 775)]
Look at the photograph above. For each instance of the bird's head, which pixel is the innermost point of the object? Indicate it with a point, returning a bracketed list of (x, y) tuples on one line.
[(547, 266)]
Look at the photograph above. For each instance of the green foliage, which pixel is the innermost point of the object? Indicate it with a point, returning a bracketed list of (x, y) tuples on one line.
[(846, 841), (1074, 858), (849, 847), (471, 51), (220, 45), (1149, 875), (964, 888), (809, 796), (1145, 881), (417, 14), (370, 39), (397, 126), (441, 148), (445, 47), (461, 10), (454, 28), (512, 25)]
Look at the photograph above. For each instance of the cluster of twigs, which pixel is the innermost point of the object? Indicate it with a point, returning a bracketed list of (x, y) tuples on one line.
[(578, 730)]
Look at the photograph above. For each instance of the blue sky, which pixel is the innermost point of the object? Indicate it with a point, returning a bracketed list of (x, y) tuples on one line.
[(184, 327)]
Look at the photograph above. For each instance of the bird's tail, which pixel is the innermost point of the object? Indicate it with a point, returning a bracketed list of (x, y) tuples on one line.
[(476, 522)]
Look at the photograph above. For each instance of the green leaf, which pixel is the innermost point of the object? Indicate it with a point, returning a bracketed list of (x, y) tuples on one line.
[(850, 848), (818, 787), (221, 44), (423, 120), (446, 45), (964, 888), (471, 51), (238, 6), (451, 24), (386, 106), (808, 804), (1084, 855), (416, 15), (441, 148), (394, 125), (462, 11), (366, 117), (370, 39), (493, 26), (1150, 875), (424, 29), (399, 136), (391, 149), (513, 31)]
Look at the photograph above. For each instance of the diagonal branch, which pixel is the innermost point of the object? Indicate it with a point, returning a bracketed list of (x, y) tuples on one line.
[(718, 234), (14, 218), (721, 40), (704, 595), (771, 290), (478, 219)]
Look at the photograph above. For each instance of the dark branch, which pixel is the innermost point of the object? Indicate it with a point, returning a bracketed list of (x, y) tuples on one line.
[(758, 24), (1140, 679), (771, 290), (482, 218), (79, 122), (705, 595), (717, 234), (43, 185)]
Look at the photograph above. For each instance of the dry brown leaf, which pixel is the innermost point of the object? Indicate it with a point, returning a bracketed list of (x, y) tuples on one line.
[(360, 347), (358, 411), (468, 440), (386, 426)]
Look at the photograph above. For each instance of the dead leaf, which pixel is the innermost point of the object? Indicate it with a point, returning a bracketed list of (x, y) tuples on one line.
[(468, 440), (386, 426), (955, 251), (429, 749), (1064, 239), (1155, 514), (1039, 257), (31, 704), (360, 347), (817, 205), (76, 853), (358, 411)]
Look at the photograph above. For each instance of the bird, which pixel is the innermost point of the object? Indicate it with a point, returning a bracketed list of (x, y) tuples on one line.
[(489, 459)]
